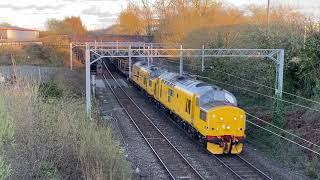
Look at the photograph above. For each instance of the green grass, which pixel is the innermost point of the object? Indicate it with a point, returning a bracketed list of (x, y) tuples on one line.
[(6, 139)]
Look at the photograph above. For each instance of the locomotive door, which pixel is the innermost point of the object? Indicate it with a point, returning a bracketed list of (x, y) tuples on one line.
[(193, 104), (188, 109), (155, 89)]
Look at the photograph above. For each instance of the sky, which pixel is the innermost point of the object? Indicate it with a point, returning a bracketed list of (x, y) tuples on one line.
[(97, 14)]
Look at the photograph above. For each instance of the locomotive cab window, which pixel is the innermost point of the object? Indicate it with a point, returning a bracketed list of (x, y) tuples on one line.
[(230, 98), (203, 115)]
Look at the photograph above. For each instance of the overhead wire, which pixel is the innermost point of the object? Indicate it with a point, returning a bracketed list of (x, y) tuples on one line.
[(253, 82), (296, 136), (287, 139), (268, 130), (255, 92), (259, 84)]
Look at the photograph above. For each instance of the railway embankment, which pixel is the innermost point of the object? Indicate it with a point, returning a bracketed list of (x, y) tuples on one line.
[(45, 131)]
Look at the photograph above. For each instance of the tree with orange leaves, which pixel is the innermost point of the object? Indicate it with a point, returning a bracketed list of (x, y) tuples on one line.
[(130, 22), (71, 26)]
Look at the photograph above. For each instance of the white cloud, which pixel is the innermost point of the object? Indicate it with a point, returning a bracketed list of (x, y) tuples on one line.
[(308, 7), (34, 13), (100, 13)]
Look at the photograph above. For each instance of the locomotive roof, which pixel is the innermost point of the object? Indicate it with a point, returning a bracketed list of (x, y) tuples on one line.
[(210, 95), (154, 71), (187, 83)]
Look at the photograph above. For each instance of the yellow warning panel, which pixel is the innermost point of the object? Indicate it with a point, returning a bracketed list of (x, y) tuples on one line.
[(214, 148), (236, 148)]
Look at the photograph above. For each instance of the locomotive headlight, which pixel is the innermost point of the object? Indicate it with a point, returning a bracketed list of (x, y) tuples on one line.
[(223, 126), (228, 127), (213, 116), (235, 118), (241, 116), (221, 118)]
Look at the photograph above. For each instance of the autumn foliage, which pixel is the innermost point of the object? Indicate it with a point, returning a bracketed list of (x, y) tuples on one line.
[(71, 26), (171, 21), (131, 23)]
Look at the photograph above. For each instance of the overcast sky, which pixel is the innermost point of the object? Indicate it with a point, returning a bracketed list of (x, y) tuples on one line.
[(102, 13)]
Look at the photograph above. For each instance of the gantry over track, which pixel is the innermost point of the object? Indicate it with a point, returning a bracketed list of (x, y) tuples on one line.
[(95, 51)]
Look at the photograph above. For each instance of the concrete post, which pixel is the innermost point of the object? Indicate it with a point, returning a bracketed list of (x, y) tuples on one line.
[(71, 56), (117, 47), (181, 61), (280, 66), (88, 89), (144, 52), (202, 58), (151, 52), (148, 56), (93, 84), (130, 62)]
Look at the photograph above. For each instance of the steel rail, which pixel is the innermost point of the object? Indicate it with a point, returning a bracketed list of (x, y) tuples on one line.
[(243, 169), (176, 154), (255, 168)]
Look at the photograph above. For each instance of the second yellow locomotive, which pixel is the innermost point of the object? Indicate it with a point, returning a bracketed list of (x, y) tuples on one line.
[(208, 112)]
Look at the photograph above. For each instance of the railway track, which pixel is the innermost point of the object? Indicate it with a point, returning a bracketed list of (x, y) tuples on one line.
[(172, 160), (238, 166), (241, 168)]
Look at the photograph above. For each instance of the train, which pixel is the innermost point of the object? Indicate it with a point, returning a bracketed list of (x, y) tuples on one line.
[(206, 111)]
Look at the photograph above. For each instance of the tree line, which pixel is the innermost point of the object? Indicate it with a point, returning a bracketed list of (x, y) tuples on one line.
[(219, 25)]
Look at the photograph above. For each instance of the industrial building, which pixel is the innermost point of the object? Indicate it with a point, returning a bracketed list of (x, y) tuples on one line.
[(17, 34)]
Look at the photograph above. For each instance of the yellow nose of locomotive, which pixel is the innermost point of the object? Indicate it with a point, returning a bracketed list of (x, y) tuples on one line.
[(226, 131)]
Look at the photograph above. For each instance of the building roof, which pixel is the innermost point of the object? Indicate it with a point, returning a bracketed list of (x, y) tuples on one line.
[(8, 27)]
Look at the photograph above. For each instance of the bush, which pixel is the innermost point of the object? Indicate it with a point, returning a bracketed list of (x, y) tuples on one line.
[(35, 51), (50, 90), (33, 54)]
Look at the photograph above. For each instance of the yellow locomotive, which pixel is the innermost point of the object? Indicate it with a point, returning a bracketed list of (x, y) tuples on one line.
[(208, 112)]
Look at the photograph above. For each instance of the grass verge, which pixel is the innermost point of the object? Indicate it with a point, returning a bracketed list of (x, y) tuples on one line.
[(52, 138)]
